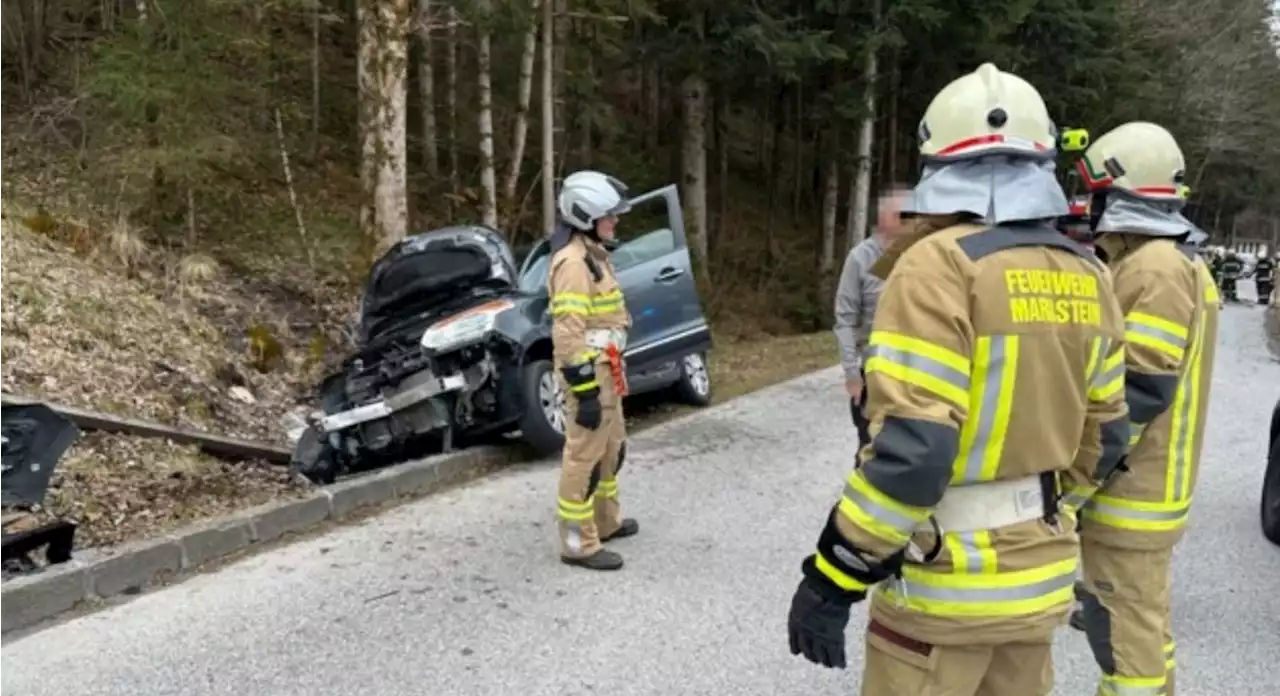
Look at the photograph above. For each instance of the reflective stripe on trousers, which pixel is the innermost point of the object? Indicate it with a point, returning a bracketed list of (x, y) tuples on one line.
[(1131, 686)]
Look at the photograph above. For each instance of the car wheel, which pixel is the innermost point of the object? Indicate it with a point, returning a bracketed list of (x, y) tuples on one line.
[(694, 385), (542, 425)]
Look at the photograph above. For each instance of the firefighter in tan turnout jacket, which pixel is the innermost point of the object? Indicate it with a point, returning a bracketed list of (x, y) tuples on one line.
[(994, 366), (1170, 304), (589, 332)]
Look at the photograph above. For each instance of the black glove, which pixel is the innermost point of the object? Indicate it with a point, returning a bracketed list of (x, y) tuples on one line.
[(589, 413), (819, 615)]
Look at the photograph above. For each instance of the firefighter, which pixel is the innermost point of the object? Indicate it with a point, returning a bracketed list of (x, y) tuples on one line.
[(1264, 276), (1170, 303), (589, 331), (994, 365), (1231, 269)]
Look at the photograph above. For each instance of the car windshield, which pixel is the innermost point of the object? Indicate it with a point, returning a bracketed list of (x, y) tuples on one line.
[(534, 278)]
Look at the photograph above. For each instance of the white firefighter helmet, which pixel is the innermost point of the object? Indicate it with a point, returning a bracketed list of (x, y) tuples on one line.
[(588, 196), (987, 112), (1139, 158)]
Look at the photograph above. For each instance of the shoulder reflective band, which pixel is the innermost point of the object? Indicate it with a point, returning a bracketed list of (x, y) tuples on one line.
[(570, 303)]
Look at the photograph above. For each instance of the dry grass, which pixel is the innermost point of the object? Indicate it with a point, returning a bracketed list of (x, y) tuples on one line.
[(125, 488), (742, 366), (164, 340)]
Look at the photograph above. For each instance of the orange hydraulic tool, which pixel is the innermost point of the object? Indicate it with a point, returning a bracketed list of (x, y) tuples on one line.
[(616, 369)]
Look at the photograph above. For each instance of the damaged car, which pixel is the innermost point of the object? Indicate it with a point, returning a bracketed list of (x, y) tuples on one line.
[(454, 343)]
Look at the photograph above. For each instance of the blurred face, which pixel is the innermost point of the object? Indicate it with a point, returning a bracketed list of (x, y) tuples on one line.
[(606, 226), (890, 206)]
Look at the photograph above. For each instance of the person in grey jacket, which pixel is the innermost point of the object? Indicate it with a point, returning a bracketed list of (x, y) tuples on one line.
[(856, 298)]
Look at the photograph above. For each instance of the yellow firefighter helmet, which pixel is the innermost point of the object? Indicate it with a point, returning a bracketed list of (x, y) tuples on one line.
[(987, 112), (1140, 158)]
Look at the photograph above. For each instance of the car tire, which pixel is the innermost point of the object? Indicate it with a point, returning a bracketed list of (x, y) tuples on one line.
[(1270, 511), (694, 385), (540, 427)]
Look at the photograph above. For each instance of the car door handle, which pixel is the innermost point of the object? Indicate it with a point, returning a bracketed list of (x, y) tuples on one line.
[(668, 274)]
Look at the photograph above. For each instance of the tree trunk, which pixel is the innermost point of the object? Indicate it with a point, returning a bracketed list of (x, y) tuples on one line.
[(586, 115), (488, 185), (797, 152), (427, 91), (548, 121), (370, 113), (694, 161), (830, 202), (315, 75), (856, 226), (721, 120), (652, 107), (892, 139), (524, 92), (392, 201), (560, 25), (451, 98)]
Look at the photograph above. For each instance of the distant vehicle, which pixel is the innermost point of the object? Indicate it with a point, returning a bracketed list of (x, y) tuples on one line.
[(1271, 483), (455, 343)]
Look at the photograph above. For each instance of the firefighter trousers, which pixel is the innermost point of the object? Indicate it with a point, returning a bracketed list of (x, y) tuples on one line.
[(897, 665), (1125, 607), (588, 493)]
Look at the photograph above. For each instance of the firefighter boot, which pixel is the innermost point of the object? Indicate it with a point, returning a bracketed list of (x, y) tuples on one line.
[(604, 559)]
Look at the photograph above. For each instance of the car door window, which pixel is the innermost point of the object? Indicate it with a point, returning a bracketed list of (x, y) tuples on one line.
[(655, 244)]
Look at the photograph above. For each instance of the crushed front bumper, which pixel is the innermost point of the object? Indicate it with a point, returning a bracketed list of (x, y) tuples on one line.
[(414, 390)]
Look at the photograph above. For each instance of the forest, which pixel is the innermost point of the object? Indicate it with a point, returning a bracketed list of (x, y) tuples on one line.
[(194, 190)]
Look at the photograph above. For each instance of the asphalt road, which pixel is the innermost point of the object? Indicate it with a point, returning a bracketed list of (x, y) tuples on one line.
[(461, 594)]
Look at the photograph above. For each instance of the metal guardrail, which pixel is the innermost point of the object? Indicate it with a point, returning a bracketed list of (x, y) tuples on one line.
[(216, 445)]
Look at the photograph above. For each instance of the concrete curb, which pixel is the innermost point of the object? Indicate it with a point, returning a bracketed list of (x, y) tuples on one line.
[(128, 569)]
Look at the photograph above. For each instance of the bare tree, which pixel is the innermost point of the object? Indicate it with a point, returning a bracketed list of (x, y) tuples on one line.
[(427, 90), (391, 74), (488, 185), (860, 187), (693, 92), (548, 120), (524, 92)]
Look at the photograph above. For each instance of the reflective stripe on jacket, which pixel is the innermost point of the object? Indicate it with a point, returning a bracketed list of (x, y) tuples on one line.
[(1171, 307), (995, 355), (580, 303)]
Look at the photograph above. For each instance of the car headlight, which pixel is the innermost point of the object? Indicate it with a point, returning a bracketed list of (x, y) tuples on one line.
[(468, 327)]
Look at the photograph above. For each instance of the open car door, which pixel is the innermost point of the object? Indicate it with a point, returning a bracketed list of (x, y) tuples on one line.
[(656, 274)]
